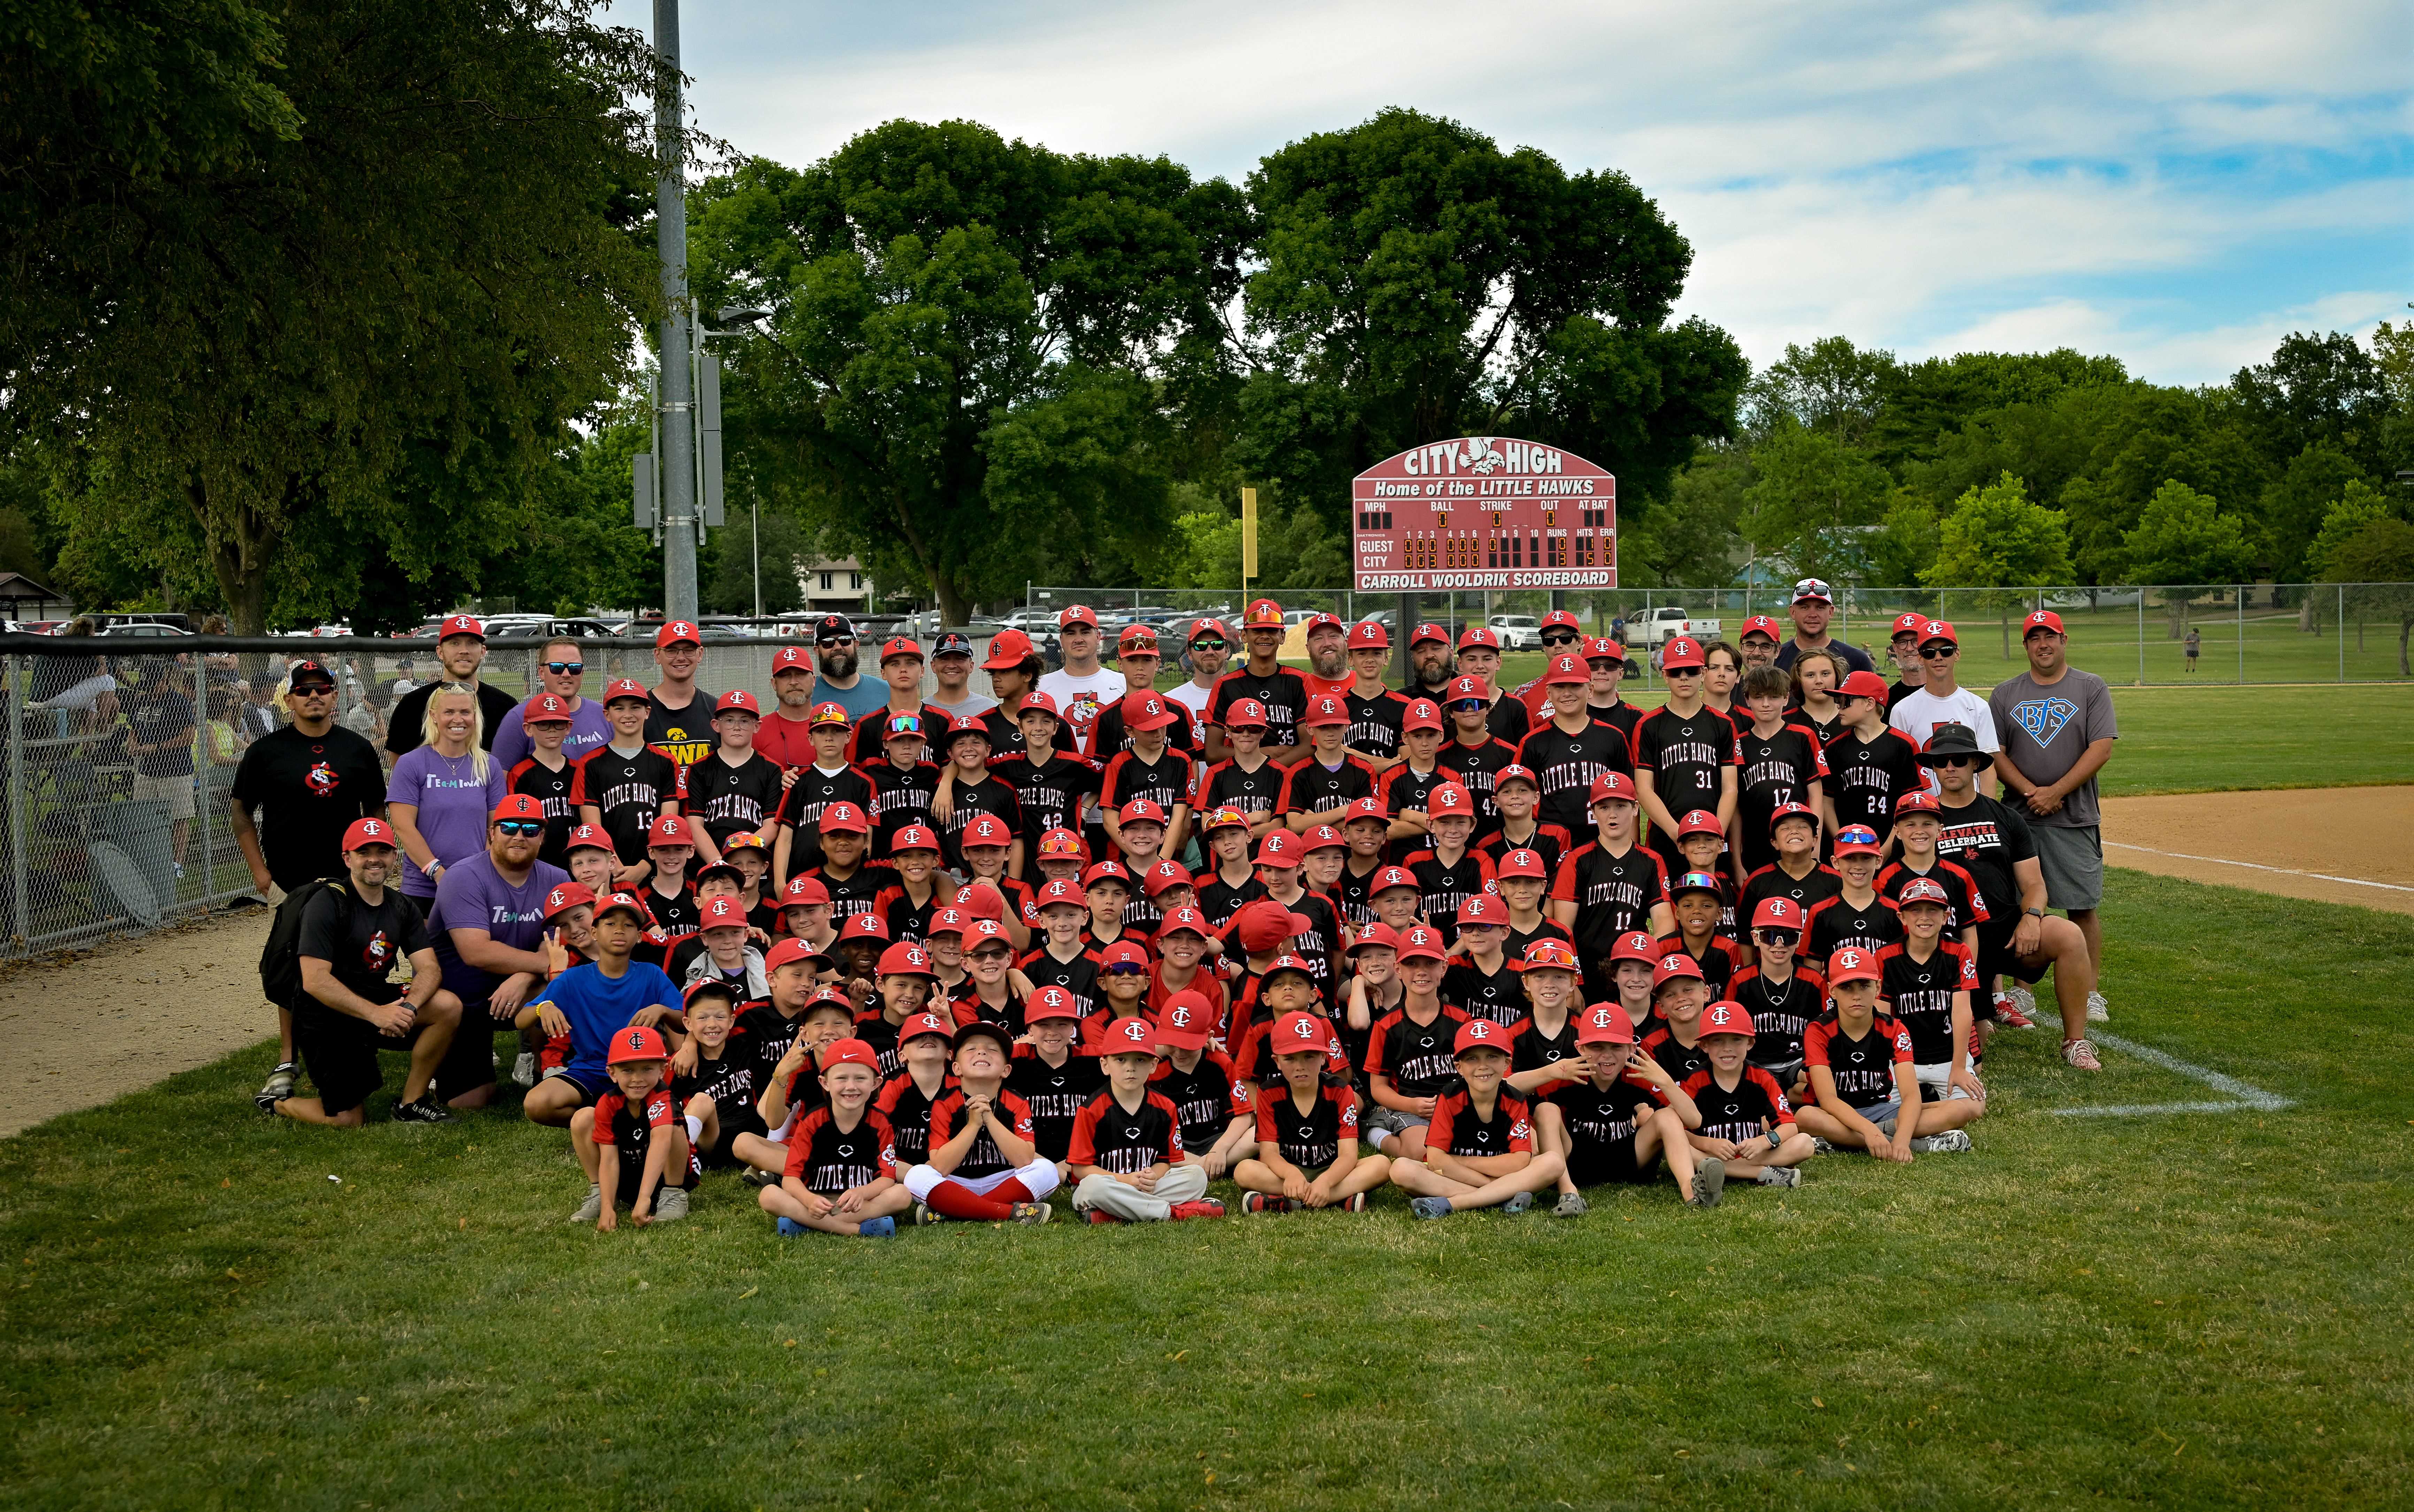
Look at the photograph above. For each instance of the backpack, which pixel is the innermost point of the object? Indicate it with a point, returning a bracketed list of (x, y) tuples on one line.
[(280, 960)]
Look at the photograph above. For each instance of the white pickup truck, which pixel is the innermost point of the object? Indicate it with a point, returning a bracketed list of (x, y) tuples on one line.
[(1666, 623)]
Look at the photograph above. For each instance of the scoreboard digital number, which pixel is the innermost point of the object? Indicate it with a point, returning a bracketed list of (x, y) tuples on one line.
[(1484, 512)]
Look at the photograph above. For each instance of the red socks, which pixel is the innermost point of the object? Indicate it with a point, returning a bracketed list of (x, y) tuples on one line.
[(953, 1199)]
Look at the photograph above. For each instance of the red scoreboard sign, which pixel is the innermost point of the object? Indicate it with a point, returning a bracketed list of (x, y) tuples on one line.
[(1484, 512)]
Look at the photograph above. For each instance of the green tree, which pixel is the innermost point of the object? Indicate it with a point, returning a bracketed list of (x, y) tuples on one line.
[(2380, 554), (1925, 402), (980, 349), (1830, 386), (331, 372), (1996, 538), (1812, 498), (1416, 283), (1903, 546), (1689, 540), (2295, 504), (2182, 539), (2357, 505), (2323, 390)]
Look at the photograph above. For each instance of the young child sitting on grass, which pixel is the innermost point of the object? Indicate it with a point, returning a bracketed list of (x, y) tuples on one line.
[(983, 1166), (1746, 1122), (1622, 1121), (649, 1165), (1478, 1146), (1127, 1154), (1678, 995), (842, 1172), (1219, 1122), (907, 1099), (1862, 1074), (591, 1003), (1307, 1131)]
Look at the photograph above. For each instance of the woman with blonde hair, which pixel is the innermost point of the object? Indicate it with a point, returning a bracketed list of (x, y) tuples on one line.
[(443, 790)]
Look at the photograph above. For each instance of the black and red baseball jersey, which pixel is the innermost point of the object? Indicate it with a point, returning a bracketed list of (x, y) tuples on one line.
[(1686, 755), (1229, 785), (1219, 899), (1126, 1141), (1313, 788), (1773, 881), (1614, 895), (628, 1130), (905, 918), (1416, 1059), (1283, 693), (813, 791), (1780, 768), (1552, 842), (1457, 1128), (1109, 739), (1780, 1010), (1259, 1047), (1050, 791), (868, 746), (630, 791), (1077, 976), (1863, 1067), (1054, 1095), (1834, 923), (1678, 1060), (1447, 886), (902, 1103), (1754, 1106), (733, 798), (728, 1080), (983, 1158), (991, 795), (1375, 722), (1866, 777), (555, 789), (1599, 1119), (1920, 993), (1206, 1098), (1519, 939), (1720, 959), (1531, 1049), (829, 1160), (900, 795), (1566, 765), (1129, 776), (1965, 904), (1498, 995), (1311, 1139), (854, 893), (1476, 769), (1317, 944)]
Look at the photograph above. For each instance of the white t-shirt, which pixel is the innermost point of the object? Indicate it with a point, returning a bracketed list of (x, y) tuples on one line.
[(1919, 711), (1194, 698), (1078, 699)]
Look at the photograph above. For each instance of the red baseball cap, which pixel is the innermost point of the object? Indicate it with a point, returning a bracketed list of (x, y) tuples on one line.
[(1858, 840), (1605, 1023), (1759, 625), (1324, 709), (1563, 619), (1923, 890), (1939, 630), (1323, 837), (1522, 862), (587, 837), (1918, 802), (1134, 1035), (1122, 952), (1263, 925), (791, 658), (1375, 935), (1484, 908), (1107, 871), (1698, 821), (1463, 689), (1391, 877), (1602, 648), (1320, 621), (1262, 614), (638, 1043), (1279, 848), (1036, 702), (2041, 620), (1183, 1021), (827, 716), (830, 997), (1727, 1017), (1008, 650), (901, 645), (1080, 614), (1478, 1034), (1207, 625), (1166, 874), (739, 701), (1449, 798), (1428, 633), (723, 914), (1302, 1034), (563, 896), (1680, 651), (986, 829), (1227, 818), (1244, 714), (1369, 633), (1852, 964), (1547, 955), (906, 959), (845, 818), (1423, 713), (1906, 624), (710, 983), (961, 725), (1566, 669), (922, 1024), (913, 838), (518, 805), (545, 708), (1634, 945), (1146, 711), (864, 926), (1136, 639), (362, 832), (668, 829), (626, 687), (1064, 891), (1791, 809), (905, 725), (1050, 1002), (460, 625), (1369, 807), (850, 1052), (1674, 967), (1419, 944), (1477, 637), (946, 920), (1697, 881), (1190, 920), (627, 903), (675, 631), (1062, 845), (1862, 685), (1613, 786), (1777, 913), (1514, 772), (793, 950)]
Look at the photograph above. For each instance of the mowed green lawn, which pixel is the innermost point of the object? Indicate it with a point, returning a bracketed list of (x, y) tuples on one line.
[(2193, 1309)]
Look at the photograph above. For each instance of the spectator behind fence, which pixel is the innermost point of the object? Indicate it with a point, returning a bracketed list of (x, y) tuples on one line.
[(308, 780), (159, 741), (442, 789), (460, 650), (562, 671), (488, 929)]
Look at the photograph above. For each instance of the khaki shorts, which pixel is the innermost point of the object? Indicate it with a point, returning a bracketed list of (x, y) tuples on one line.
[(175, 791), (2073, 863)]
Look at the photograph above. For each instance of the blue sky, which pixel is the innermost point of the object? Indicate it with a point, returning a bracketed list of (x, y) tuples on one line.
[(2178, 184)]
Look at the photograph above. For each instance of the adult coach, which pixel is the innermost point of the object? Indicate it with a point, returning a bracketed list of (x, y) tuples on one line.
[(1813, 607), (2057, 728), (461, 650), (1942, 699), (307, 780), (785, 734), (487, 923), (842, 682), (2019, 942), (680, 723), (1081, 686), (562, 671)]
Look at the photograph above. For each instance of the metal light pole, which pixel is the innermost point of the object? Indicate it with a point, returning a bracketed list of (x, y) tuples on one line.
[(678, 378)]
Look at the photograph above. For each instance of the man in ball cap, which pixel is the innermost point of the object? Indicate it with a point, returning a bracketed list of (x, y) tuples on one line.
[(842, 681), (1942, 699), (487, 927), (1431, 666), (1813, 607), (1081, 686), (1206, 645), (460, 651), (681, 720), (785, 734)]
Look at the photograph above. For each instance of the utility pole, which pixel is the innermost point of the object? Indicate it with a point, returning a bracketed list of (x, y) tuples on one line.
[(678, 461)]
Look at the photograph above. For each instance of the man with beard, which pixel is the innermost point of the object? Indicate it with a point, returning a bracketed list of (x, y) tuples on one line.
[(785, 734), (460, 650), (1430, 668), (1209, 646), (1814, 606), (841, 682), (1328, 672)]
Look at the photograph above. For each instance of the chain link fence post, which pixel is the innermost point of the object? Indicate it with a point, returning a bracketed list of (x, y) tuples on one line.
[(19, 670)]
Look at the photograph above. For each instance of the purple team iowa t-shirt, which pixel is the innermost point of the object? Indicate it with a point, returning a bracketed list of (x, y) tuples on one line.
[(454, 807), (474, 895)]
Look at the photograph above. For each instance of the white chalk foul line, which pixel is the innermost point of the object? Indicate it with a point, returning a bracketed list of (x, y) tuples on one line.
[(2257, 866), (2249, 1099)]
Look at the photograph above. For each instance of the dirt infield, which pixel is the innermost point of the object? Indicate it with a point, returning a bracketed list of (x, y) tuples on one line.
[(2332, 845), (98, 1024)]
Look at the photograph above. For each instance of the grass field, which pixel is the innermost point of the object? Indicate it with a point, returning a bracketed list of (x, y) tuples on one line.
[(2200, 1310)]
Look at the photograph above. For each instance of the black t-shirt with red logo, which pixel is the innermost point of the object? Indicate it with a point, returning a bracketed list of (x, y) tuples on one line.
[(1457, 1129), (361, 943), (1920, 994), (1754, 1106), (1054, 1095), (1313, 787), (1226, 785), (830, 1160), (1375, 723), (984, 1158)]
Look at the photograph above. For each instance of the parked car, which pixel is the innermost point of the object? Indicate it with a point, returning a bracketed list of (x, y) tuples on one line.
[(138, 629), (1517, 633), (1666, 623)]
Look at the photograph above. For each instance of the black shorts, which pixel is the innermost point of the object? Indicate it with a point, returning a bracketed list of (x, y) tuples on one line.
[(340, 1052), (1995, 958), (632, 1171), (1591, 1164), (719, 1157)]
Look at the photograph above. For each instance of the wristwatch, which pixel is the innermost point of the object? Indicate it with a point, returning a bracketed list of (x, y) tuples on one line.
[(2034, 913)]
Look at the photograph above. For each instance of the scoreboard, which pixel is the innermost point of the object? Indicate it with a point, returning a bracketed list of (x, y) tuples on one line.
[(1484, 512)]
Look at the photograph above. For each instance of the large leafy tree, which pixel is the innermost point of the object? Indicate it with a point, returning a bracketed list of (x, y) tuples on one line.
[(1416, 282), (1996, 538), (2323, 390), (330, 358), (981, 350), (2182, 537), (1814, 495)]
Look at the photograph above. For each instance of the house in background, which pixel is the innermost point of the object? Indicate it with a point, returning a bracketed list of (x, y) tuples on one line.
[(25, 601), (838, 583)]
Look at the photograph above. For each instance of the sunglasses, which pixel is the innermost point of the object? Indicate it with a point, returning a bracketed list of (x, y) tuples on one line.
[(1950, 762), (1776, 937), (1940, 654), (521, 828), (1471, 706), (1561, 640), (561, 669), (991, 954), (1210, 645), (837, 640), (315, 690), (1684, 672), (1123, 969)]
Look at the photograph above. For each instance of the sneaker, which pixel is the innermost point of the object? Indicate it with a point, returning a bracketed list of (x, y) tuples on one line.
[(1572, 1205), (2007, 1013), (670, 1204), (266, 1102), (1099, 1215), (1518, 1203), (2081, 1055), (1709, 1180), (759, 1180), (2023, 1001), (1886, 1127), (1951, 1142), (1780, 1175), (877, 1228), (2096, 1012), (425, 1110), (279, 1085), (1203, 1208), (1430, 1206), (593, 1209), (924, 1216), (524, 1069), (1821, 1146), (1266, 1202), (1354, 1203), (789, 1228), (1033, 1213)]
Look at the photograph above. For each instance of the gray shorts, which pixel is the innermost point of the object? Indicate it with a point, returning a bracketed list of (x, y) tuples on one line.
[(2073, 863)]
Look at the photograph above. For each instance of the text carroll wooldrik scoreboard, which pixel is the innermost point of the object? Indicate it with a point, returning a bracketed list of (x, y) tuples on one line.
[(1484, 512)]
